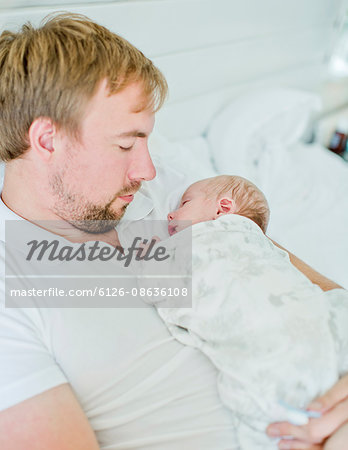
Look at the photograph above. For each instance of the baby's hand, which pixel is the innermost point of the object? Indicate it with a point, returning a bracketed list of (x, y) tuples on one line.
[(145, 247)]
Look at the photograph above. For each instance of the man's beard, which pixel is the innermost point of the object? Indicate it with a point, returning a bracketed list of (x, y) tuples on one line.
[(84, 215)]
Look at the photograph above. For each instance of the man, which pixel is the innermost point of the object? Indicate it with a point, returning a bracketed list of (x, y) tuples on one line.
[(77, 107)]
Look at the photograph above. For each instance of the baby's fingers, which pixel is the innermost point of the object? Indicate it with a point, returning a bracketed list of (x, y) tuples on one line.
[(145, 247)]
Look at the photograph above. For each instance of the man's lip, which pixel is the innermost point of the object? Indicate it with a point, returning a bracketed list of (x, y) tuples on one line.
[(127, 198)]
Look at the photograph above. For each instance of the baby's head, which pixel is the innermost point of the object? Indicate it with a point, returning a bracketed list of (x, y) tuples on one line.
[(213, 197)]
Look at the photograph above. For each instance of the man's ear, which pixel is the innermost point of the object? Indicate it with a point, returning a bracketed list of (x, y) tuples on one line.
[(225, 205), (41, 137)]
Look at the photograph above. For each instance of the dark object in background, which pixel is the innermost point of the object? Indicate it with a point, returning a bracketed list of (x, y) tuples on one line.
[(338, 140)]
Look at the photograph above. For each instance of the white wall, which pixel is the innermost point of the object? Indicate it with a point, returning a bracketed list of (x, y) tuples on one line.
[(211, 50)]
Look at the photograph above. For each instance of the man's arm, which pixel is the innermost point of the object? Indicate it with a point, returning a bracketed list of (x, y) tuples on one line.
[(52, 420), (324, 283)]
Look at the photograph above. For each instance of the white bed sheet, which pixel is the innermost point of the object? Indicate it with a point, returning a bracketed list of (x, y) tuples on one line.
[(307, 188)]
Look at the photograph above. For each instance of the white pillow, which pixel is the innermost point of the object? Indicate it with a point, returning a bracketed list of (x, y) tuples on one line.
[(242, 132), (190, 157)]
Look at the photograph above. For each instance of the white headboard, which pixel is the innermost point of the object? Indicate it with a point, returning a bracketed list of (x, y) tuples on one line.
[(211, 50)]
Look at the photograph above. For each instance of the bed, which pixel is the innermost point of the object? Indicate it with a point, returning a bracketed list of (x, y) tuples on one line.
[(246, 80)]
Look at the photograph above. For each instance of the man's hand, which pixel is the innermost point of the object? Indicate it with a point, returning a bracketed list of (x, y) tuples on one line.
[(338, 441), (334, 408), (52, 420)]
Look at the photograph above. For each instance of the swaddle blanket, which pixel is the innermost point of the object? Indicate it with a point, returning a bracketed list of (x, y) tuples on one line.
[(272, 334)]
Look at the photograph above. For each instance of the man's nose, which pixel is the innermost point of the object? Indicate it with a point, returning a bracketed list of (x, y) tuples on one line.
[(141, 166)]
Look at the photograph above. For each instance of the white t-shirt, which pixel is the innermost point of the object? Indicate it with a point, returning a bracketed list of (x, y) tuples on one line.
[(138, 386)]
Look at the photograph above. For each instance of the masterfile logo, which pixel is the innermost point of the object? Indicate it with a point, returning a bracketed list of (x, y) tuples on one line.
[(46, 270), (140, 250)]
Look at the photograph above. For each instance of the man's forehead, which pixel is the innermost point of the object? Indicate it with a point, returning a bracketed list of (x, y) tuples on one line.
[(139, 124), (131, 99)]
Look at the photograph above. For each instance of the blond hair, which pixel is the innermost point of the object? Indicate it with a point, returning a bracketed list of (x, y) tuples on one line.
[(52, 71), (250, 201)]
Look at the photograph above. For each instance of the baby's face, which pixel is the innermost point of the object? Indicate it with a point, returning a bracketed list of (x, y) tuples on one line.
[(194, 206)]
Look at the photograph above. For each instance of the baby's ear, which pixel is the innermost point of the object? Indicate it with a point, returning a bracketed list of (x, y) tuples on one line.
[(225, 205)]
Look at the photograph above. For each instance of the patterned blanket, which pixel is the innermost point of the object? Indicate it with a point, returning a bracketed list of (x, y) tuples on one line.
[(274, 336)]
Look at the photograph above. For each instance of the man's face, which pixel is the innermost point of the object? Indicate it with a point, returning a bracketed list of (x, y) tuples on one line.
[(93, 180), (194, 206)]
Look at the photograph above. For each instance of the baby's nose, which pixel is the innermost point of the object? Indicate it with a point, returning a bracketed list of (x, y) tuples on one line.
[(170, 216)]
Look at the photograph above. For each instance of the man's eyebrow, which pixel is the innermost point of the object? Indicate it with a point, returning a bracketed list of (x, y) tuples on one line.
[(133, 133)]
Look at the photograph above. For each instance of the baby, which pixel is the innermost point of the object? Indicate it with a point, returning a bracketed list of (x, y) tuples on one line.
[(211, 198), (277, 340)]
